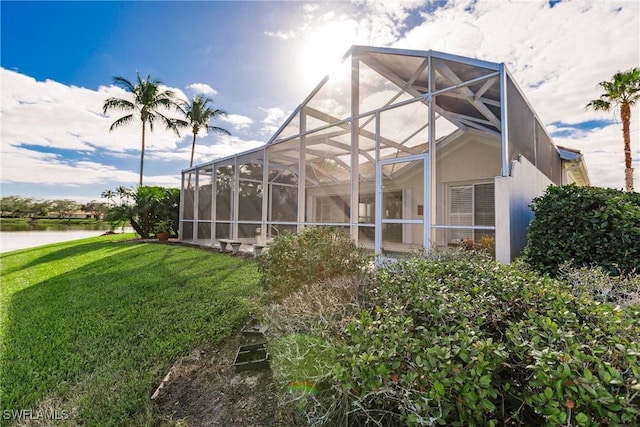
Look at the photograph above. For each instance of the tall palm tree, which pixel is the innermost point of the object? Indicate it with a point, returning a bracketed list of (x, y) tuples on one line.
[(199, 115), (124, 193), (109, 195), (623, 90), (147, 102)]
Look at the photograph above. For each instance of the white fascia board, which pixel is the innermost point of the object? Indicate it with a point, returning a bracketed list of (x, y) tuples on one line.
[(356, 49), (466, 60)]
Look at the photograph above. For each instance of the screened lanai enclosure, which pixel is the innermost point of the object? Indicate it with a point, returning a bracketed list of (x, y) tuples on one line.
[(401, 149)]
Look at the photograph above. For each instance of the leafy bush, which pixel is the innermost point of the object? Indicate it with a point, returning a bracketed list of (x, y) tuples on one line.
[(149, 209), (296, 259), (586, 225), (467, 341), (302, 329), (601, 286)]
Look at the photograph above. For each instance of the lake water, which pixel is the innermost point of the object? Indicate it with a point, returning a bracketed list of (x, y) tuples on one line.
[(22, 236)]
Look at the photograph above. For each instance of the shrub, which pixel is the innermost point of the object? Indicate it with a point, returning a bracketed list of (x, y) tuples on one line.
[(301, 359), (148, 209), (302, 330), (467, 341), (317, 308), (588, 226), (312, 254), (601, 286)]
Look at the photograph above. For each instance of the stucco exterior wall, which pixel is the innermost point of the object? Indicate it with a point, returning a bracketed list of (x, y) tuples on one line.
[(513, 195), (471, 159)]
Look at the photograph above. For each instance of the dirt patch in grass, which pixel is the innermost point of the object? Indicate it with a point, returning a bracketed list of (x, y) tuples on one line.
[(204, 389)]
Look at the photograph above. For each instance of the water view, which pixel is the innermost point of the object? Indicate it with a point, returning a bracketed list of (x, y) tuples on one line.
[(25, 235)]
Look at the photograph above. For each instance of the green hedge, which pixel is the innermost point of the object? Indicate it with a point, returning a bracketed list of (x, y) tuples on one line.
[(296, 259), (588, 226), (466, 341)]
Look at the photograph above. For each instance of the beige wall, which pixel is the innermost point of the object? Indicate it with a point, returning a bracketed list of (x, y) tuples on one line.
[(468, 159)]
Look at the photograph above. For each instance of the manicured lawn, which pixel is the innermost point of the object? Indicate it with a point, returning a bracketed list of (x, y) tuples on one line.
[(90, 327)]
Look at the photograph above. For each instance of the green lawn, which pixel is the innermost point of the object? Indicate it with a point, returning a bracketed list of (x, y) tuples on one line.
[(90, 327)]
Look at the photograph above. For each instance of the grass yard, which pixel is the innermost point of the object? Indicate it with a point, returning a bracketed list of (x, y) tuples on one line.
[(89, 328)]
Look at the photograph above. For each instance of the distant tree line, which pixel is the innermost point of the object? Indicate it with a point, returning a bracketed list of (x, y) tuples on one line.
[(29, 207)]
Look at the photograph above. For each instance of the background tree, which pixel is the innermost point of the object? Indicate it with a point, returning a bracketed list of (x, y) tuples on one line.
[(199, 115), (15, 206), (124, 193), (623, 90), (149, 209), (95, 208), (40, 208), (147, 102), (64, 208), (109, 195)]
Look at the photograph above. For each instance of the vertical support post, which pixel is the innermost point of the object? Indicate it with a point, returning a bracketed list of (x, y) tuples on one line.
[(502, 188), (302, 170), (196, 196), (214, 200), (504, 117), (181, 212), (430, 165), (235, 200), (355, 145), (266, 194), (378, 192)]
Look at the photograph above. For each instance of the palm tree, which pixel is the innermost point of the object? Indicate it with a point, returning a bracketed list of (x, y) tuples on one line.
[(147, 102), (124, 193), (109, 195), (198, 116), (623, 90)]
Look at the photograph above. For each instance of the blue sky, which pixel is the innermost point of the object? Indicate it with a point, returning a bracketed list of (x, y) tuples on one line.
[(259, 59)]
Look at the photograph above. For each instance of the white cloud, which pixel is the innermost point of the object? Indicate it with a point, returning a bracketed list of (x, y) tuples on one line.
[(291, 34), (237, 121), (273, 120), (21, 165), (202, 88), (58, 135), (274, 115), (50, 114), (163, 180), (310, 7), (226, 146)]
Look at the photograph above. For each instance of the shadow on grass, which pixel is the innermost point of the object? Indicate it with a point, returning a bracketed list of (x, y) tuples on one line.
[(59, 251), (99, 337)]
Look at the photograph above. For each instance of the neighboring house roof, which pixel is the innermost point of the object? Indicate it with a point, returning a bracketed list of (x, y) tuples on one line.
[(573, 166)]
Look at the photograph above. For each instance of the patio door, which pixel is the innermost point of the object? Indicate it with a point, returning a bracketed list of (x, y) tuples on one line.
[(401, 204)]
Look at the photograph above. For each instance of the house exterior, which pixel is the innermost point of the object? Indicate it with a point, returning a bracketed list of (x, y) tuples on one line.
[(402, 149)]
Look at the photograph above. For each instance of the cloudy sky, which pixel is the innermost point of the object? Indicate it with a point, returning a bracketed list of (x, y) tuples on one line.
[(260, 59)]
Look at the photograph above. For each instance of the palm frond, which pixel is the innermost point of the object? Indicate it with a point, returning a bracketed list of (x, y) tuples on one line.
[(599, 105), (121, 121), (217, 129), (117, 104), (124, 84)]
